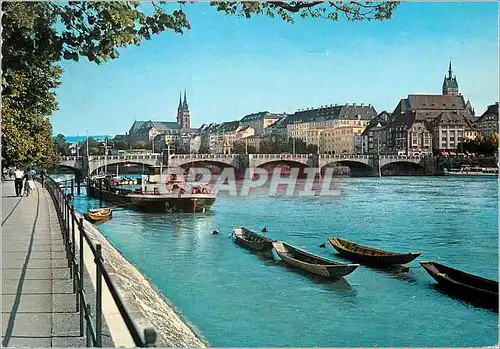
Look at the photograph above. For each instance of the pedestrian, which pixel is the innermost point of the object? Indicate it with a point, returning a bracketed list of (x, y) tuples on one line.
[(30, 182), (43, 175), (18, 181)]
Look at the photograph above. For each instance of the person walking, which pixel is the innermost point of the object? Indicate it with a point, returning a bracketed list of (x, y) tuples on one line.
[(18, 181), (43, 175), (30, 181)]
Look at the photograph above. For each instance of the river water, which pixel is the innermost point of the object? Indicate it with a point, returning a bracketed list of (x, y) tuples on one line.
[(236, 298)]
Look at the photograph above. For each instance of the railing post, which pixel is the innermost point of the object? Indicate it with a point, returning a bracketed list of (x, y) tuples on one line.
[(73, 248), (88, 337), (80, 286), (149, 337), (98, 301)]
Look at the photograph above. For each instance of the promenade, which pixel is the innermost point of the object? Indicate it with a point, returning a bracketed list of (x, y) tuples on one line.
[(38, 303)]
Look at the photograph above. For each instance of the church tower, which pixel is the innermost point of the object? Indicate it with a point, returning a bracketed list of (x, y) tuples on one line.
[(450, 84), (183, 115)]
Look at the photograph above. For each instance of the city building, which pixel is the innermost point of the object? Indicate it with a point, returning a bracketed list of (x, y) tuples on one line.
[(376, 138), (487, 124), (260, 121), (419, 120), (146, 131), (411, 135), (165, 139), (343, 139), (450, 129)]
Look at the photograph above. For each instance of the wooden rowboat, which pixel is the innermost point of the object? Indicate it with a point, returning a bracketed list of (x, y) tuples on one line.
[(310, 262), (370, 255), (463, 285), (252, 240), (99, 214)]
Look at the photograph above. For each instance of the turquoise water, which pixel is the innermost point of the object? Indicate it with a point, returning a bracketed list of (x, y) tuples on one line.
[(236, 298)]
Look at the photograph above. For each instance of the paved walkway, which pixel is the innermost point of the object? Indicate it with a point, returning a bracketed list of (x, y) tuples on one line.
[(38, 304)]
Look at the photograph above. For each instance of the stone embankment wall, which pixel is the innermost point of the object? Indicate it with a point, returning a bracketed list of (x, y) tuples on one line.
[(139, 295)]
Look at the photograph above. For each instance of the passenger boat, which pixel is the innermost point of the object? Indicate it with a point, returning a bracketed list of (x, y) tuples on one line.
[(472, 171), (309, 262), (252, 240), (179, 198), (99, 214), (464, 285), (369, 255)]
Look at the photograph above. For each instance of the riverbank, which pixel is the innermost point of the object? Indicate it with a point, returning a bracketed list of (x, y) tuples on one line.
[(140, 296)]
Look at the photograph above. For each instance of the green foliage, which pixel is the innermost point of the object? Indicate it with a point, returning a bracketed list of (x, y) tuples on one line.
[(141, 145), (288, 11), (480, 145), (120, 145), (239, 148), (60, 145)]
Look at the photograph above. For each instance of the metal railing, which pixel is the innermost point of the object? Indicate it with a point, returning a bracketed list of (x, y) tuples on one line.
[(70, 223)]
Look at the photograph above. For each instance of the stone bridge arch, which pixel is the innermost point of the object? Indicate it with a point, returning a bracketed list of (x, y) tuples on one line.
[(260, 160)]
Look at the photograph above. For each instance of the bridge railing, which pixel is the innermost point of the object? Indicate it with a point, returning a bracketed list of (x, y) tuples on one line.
[(126, 157), (203, 156), (143, 336), (71, 158), (280, 156), (345, 156)]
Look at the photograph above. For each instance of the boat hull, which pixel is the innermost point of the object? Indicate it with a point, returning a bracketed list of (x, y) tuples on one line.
[(251, 240), (465, 286), (377, 257), (187, 203), (318, 265)]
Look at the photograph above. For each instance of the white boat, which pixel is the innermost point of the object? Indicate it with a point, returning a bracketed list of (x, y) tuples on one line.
[(472, 171)]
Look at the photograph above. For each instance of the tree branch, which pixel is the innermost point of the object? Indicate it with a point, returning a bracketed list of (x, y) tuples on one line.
[(294, 8)]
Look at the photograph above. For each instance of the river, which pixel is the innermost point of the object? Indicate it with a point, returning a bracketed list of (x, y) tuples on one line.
[(236, 298)]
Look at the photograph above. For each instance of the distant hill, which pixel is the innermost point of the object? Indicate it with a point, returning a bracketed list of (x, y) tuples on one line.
[(76, 139)]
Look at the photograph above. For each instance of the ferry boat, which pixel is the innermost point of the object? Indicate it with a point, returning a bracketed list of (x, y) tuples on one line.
[(472, 171), (178, 198)]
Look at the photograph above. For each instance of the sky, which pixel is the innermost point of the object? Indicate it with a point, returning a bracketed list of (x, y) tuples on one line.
[(232, 66)]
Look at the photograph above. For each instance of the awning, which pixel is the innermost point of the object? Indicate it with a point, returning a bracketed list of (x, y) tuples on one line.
[(444, 153), (452, 153)]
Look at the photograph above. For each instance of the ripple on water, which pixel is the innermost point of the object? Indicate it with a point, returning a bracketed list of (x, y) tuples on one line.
[(238, 298)]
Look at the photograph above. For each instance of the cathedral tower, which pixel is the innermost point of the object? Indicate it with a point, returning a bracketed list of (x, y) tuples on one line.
[(183, 115), (450, 84)]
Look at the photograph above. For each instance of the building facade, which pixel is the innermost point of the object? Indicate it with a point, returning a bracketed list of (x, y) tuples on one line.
[(260, 121), (487, 124), (450, 129)]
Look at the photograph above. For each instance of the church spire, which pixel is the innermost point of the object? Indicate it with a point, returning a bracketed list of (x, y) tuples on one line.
[(180, 100), (184, 104), (450, 72)]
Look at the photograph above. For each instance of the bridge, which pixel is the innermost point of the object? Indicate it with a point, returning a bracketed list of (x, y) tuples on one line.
[(370, 163)]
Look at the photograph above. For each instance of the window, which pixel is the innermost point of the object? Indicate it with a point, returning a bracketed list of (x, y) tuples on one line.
[(443, 139)]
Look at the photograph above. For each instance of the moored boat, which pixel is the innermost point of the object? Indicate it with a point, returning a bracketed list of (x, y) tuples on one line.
[(252, 240), (98, 215), (370, 255), (464, 285), (309, 262), (177, 200), (472, 171)]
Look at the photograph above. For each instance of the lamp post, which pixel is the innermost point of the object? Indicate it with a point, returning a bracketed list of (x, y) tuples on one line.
[(378, 157)]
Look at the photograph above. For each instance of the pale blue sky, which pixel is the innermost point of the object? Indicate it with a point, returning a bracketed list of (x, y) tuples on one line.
[(233, 66)]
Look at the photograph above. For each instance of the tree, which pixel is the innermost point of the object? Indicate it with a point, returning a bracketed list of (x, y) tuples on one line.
[(268, 146), (60, 145), (120, 145), (239, 147), (141, 145), (37, 35)]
